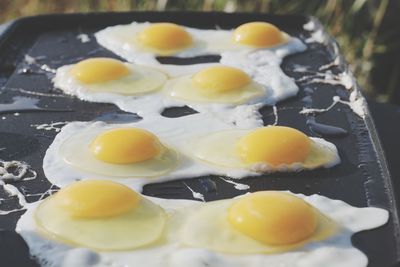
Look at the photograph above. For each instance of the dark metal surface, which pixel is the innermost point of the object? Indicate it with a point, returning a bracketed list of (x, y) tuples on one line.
[(361, 179)]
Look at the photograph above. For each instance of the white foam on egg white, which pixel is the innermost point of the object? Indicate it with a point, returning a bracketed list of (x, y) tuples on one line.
[(237, 186), (356, 102), (84, 38), (176, 133), (14, 171), (336, 251), (12, 191), (53, 126), (310, 25)]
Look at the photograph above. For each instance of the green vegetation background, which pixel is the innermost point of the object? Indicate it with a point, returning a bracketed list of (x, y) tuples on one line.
[(367, 31)]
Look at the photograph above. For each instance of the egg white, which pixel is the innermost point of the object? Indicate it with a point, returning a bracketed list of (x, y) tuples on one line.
[(337, 250), (176, 133)]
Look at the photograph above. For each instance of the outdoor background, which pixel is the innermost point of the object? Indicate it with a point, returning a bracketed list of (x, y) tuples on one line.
[(368, 31)]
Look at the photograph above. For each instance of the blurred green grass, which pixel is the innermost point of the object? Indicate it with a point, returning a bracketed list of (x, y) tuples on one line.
[(367, 30)]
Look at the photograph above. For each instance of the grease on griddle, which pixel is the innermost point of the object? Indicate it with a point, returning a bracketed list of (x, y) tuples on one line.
[(190, 60), (208, 185), (35, 93), (118, 117), (25, 104), (175, 112), (325, 130), (20, 104)]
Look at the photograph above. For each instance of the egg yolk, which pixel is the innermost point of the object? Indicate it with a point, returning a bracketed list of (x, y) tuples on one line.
[(125, 146), (96, 199), (99, 70), (219, 79), (165, 36), (274, 218), (274, 145), (259, 34)]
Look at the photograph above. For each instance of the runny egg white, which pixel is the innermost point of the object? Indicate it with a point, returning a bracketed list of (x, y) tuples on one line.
[(161, 149), (137, 40), (266, 228)]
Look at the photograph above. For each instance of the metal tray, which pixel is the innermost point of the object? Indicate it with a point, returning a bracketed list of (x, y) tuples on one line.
[(362, 179)]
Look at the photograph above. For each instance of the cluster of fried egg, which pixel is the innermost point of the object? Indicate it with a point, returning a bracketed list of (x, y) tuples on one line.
[(147, 90), (159, 149), (138, 88), (142, 87), (98, 223), (168, 39), (103, 223)]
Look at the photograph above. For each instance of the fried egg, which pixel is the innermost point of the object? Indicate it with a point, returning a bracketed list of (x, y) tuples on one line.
[(173, 148), (262, 222), (271, 148), (215, 84), (136, 41), (259, 34), (121, 152), (107, 75), (100, 215), (300, 231)]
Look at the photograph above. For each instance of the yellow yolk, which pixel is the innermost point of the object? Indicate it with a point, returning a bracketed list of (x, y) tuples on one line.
[(259, 34), (220, 79), (125, 146), (274, 218), (274, 145), (96, 199), (165, 36), (99, 70)]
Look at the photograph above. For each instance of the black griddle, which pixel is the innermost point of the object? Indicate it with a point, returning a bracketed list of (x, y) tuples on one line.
[(362, 179)]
